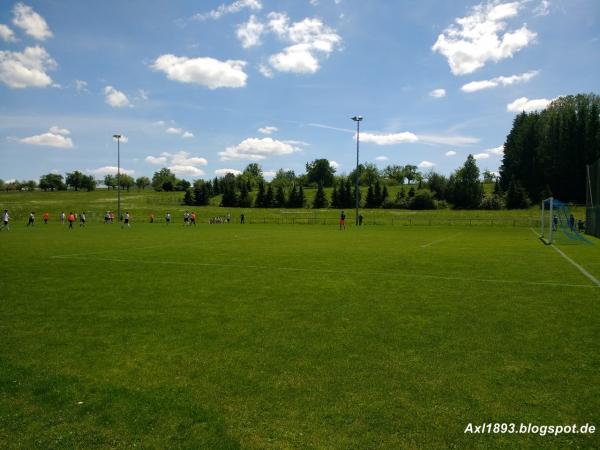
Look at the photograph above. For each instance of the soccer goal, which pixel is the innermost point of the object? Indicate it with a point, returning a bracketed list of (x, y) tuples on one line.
[(558, 224)]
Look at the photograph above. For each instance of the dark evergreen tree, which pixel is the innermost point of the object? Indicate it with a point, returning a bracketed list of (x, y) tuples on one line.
[(411, 192), (259, 201), (335, 197), (216, 186), (377, 195), (244, 201), (292, 201), (465, 187), (320, 200), (384, 194), (516, 197), (269, 200), (370, 202), (188, 197), (301, 199), (279, 197), (201, 193)]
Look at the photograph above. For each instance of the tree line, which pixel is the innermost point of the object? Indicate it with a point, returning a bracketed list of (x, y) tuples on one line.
[(546, 153)]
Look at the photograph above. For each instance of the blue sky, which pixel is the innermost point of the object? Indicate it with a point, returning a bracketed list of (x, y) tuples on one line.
[(205, 87)]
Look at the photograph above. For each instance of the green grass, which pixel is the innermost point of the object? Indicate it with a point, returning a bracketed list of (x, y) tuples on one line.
[(266, 336)]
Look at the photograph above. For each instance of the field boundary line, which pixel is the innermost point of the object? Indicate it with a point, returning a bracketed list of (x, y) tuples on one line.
[(332, 271), (440, 240), (591, 277)]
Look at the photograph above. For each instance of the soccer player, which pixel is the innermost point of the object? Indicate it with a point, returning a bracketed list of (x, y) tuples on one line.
[(242, 219), (168, 218), (186, 218), (5, 218), (82, 220), (126, 223), (151, 217), (342, 220), (71, 219), (193, 218), (46, 217), (360, 219), (31, 221), (63, 217)]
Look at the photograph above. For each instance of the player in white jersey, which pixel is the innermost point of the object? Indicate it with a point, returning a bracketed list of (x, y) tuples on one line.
[(5, 219)]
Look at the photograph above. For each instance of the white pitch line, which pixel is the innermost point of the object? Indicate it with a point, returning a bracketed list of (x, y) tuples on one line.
[(339, 272), (577, 266), (439, 240)]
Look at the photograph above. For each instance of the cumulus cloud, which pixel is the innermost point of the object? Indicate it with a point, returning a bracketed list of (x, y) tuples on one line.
[(334, 164), (527, 105), (6, 34), (223, 172), (208, 72), (172, 130), (20, 70), (179, 131), (268, 130), (115, 98), (543, 9), (381, 158), (425, 165), (481, 37), (31, 22), (483, 155), (249, 33), (81, 86), (309, 39), (253, 149), (458, 141), (156, 160), (180, 163), (496, 150), (474, 86), (438, 93), (55, 137), (231, 8), (389, 139), (265, 70), (187, 135), (109, 170), (451, 153)]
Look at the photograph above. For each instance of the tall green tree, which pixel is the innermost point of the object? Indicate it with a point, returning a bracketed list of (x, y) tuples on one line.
[(142, 182), (52, 182), (320, 200), (74, 179), (465, 187), (280, 197), (320, 171), (163, 180)]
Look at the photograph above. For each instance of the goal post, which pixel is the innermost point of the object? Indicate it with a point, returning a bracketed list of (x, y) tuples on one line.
[(547, 224)]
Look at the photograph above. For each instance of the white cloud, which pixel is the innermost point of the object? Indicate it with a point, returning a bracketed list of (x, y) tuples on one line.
[(109, 170), (478, 156), (474, 86), (186, 170), (249, 33), (381, 158), (208, 72), (268, 130), (254, 149), (81, 86), (55, 137), (232, 8), (451, 153), (265, 70), (310, 39), (425, 165), (223, 172), (458, 141), (156, 160), (524, 104), (180, 163), (438, 93), (6, 34), (172, 130), (180, 131), (269, 174), (482, 37), (543, 9), (496, 150), (334, 164), (142, 94), (187, 135), (388, 139), (58, 130), (115, 98), (26, 69), (31, 22)]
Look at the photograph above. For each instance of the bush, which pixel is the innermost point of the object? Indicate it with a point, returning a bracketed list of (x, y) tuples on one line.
[(491, 202), (422, 199)]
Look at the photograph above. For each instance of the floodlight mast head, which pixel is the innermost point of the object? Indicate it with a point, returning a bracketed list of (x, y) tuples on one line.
[(357, 118)]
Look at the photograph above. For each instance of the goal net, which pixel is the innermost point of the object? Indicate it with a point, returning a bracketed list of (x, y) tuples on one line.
[(592, 190), (559, 225)]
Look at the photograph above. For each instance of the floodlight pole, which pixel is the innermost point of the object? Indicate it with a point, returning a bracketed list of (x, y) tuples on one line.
[(357, 119), (118, 138)]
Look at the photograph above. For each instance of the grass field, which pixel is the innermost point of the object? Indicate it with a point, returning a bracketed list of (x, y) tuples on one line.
[(290, 336)]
